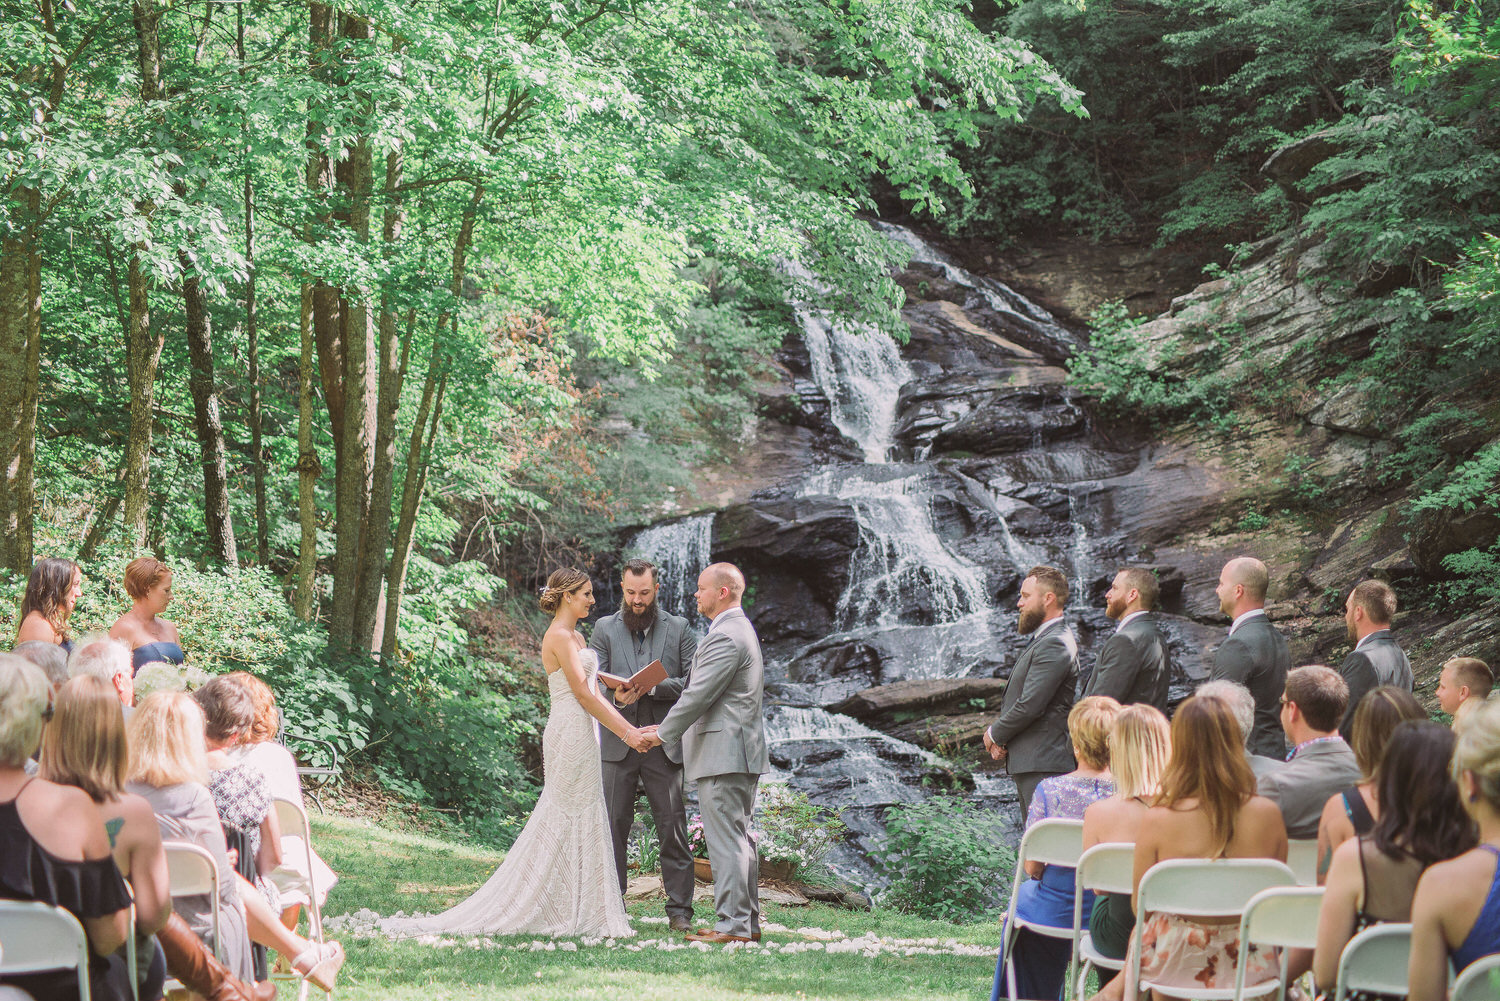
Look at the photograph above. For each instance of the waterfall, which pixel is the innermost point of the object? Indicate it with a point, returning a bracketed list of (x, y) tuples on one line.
[(861, 372), (680, 550)]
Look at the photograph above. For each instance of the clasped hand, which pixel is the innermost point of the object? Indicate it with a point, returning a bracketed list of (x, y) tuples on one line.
[(643, 739), (997, 751)]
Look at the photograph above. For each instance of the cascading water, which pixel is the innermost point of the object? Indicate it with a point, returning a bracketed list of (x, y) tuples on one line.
[(862, 373), (680, 549)]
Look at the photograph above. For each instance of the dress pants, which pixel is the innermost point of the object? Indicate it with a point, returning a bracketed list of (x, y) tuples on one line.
[(663, 781), (726, 803)]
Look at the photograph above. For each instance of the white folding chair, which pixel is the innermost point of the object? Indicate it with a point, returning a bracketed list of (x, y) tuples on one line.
[(1051, 842), (1302, 856), (192, 872), (1283, 916), (292, 819), (1202, 888), (1375, 960), (1480, 981), (130, 958), (1107, 868), (35, 937)]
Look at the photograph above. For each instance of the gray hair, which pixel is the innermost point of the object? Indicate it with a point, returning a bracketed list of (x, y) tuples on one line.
[(51, 658), (100, 657), (1241, 703), (23, 699)]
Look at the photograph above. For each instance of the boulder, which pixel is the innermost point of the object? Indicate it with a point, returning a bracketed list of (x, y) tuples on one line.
[(1442, 533), (1013, 420)]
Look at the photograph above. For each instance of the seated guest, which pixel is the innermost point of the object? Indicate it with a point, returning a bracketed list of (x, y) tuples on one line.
[(1041, 963), (1207, 809), (1140, 745), (51, 658), (52, 591), (84, 746), (1422, 821), (169, 768), (240, 790), (1455, 915), (149, 584), (259, 747), (1242, 704), (1321, 763), (1463, 686), (53, 846), (1353, 811), (109, 661)]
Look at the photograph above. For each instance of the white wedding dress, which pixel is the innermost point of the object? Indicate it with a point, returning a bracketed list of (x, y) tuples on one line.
[(559, 877)]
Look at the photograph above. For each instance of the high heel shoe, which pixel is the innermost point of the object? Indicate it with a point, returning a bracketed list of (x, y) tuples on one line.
[(321, 965)]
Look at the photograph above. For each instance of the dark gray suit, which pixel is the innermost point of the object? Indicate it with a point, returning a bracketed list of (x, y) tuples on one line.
[(1256, 655), (1302, 786), (1375, 662), (672, 642), (719, 721), (1033, 723), (1134, 665)]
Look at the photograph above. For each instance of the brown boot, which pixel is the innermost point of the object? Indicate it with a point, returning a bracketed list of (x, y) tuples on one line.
[(190, 961)]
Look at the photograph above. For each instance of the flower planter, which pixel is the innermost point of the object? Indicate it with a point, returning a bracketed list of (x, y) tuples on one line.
[(702, 871)]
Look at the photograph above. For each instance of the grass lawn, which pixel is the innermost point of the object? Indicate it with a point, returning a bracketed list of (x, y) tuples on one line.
[(807, 952)]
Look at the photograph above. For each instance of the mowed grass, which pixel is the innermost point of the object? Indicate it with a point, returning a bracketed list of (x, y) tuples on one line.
[(387, 871)]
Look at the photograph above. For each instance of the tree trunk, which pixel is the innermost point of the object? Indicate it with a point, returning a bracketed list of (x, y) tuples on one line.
[(210, 426), (252, 333), (20, 353), (142, 348), (308, 469)]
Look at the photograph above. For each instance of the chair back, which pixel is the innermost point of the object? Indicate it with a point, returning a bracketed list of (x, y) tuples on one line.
[(1051, 842), (1200, 888), (35, 937), (1480, 981), (292, 819), (193, 872), (1285, 916), (1375, 960), (1302, 856), (1108, 867)]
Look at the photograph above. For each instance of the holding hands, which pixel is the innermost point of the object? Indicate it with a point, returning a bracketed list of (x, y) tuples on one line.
[(651, 736)]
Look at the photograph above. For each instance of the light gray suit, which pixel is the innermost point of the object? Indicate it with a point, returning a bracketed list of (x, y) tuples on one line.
[(718, 720), (672, 641), (1302, 786)]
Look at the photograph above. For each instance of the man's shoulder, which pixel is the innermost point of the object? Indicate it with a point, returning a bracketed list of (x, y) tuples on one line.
[(1143, 630), (605, 626)]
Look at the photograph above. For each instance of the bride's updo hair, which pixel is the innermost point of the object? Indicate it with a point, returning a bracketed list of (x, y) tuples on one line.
[(564, 581)]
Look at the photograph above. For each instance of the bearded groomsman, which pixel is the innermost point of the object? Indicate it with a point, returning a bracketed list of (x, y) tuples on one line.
[(1133, 664), (1376, 659), (639, 633), (1031, 735)]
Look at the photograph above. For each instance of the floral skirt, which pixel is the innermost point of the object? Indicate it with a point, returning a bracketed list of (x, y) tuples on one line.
[(1182, 952)]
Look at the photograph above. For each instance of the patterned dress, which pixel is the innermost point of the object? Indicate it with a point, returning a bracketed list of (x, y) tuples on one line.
[(243, 799)]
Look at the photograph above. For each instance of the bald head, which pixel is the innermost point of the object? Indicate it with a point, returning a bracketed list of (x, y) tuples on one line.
[(1242, 586), (721, 586)]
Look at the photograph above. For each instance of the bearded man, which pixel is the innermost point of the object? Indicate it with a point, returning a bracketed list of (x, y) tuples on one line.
[(1133, 664), (1031, 735), (639, 633)]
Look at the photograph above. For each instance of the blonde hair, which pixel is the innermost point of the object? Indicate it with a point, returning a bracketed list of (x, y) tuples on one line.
[(85, 744), (166, 741), (1478, 751), (1089, 723), (1140, 744), (23, 699), (267, 719)]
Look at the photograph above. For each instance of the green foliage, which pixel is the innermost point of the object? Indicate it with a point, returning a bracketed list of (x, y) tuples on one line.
[(944, 859), (1476, 573), (788, 827)]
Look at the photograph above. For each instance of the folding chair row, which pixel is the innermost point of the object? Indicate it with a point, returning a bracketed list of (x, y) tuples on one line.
[(37, 937)]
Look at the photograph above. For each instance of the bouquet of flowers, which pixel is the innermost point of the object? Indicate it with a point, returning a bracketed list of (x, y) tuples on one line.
[(159, 676)]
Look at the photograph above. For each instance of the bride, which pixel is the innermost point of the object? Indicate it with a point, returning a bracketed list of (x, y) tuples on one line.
[(559, 877)]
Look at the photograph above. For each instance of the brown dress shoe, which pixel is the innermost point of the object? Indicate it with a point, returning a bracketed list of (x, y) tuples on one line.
[(717, 937)]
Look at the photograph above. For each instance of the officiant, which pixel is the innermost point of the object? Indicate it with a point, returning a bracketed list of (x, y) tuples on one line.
[(627, 641)]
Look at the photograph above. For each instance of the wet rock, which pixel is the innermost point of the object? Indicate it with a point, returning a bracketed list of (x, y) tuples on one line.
[(929, 697), (1013, 420), (804, 538), (1442, 533)]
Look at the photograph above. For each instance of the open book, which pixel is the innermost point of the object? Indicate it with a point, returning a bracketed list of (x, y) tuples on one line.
[(646, 678)]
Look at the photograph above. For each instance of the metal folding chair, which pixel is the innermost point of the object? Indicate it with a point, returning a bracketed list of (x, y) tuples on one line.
[(1375, 960), (35, 937), (1284, 916), (1107, 868), (1051, 842)]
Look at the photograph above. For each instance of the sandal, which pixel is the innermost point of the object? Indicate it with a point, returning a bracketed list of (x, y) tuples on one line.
[(320, 964)]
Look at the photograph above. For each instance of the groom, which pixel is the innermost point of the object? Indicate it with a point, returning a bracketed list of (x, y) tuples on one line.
[(718, 720)]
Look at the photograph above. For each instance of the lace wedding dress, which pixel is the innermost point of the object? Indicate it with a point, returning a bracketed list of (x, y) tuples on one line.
[(559, 877)]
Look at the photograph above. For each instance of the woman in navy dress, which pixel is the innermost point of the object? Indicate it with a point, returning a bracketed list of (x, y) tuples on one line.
[(53, 589), (149, 584)]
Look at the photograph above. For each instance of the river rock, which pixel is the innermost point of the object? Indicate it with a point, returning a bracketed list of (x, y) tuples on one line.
[(807, 538)]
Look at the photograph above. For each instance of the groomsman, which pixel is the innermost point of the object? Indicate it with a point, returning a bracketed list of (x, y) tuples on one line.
[(1376, 659), (1134, 664), (639, 633), (1031, 735), (1255, 654)]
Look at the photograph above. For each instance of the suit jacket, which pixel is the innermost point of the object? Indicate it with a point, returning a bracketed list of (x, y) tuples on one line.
[(1033, 723), (1302, 786), (1256, 656), (718, 716), (1378, 662), (1134, 665), (672, 641)]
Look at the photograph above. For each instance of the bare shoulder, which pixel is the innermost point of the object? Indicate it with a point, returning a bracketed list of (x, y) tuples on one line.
[(35, 627)]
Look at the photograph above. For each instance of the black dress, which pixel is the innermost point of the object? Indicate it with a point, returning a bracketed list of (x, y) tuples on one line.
[(92, 888)]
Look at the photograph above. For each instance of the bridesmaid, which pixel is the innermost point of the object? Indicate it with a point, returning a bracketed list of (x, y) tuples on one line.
[(54, 588), (149, 584)]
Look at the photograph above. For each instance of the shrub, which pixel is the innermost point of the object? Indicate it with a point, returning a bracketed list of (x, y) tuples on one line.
[(789, 827), (944, 859)]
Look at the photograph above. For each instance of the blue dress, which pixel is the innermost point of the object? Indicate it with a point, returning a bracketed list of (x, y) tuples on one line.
[(1042, 962), (164, 650), (1484, 938)]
